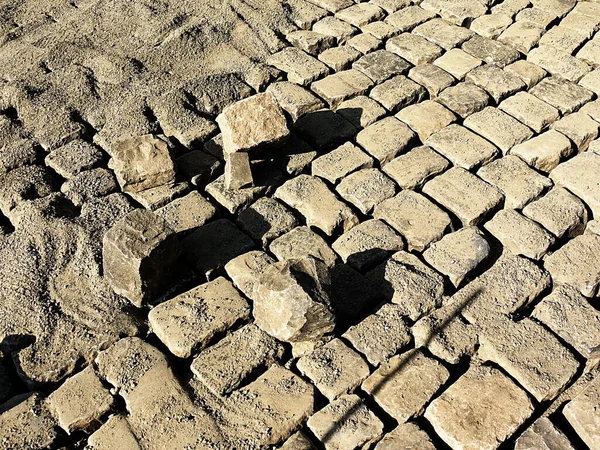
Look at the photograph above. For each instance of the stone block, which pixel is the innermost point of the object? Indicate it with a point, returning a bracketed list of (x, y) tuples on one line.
[(341, 162), (360, 14), (415, 49), (361, 111), (523, 36), (498, 127), (300, 243), (26, 423), (245, 271), (160, 196), (397, 93), (558, 62), (491, 25), (461, 146), (379, 29), (341, 86), (238, 173), (544, 152), (563, 38), (562, 94), (332, 6), (490, 51), (294, 99), (443, 33), (187, 213), (405, 436), (536, 16), (405, 19), (332, 26), (530, 110), (311, 42), (73, 158), (366, 189), (495, 81), (542, 434), (559, 212), (580, 128), (582, 414), (266, 219), (339, 58), (295, 156), (526, 71), (464, 99), (510, 7), (298, 441), (578, 175), (88, 185), (381, 65), (591, 81), (426, 118), (300, 67), (385, 139), (432, 78), (364, 43), (115, 432), (414, 168), (457, 63)]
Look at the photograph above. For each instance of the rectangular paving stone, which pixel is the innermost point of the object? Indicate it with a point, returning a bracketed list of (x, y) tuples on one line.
[(324, 128), (415, 49), (432, 78), (523, 35), (581, 22), (458, 12), (406, 436), (535, 15), (300, 243), (381, 65), (542, 433), (426, 118), (559, 212), (526, 71), (563, 38), (562, 94), (294, 99), (405, 19), (464, 99), (385, 139), (579, 175), (414, 168), (500, 406), (332, 26), (519, 183), (391, 6), (589, 52), (321, 208), (498, 127), (591, 81), (457, 63), (187, 213), (491, 25), (397, 93), (339, 163), (581, 412), (28, 423), (580, 128), (558, 62), (309, 41), (339, 58), (364, 43), (366, 189), (516, 348), (361, 111), (403, 385), (380, 29), (530, 110), (342, 86), (467, 196), (428, 223), (332, 5), (443, 33), (266, 219), (298, 441), (245, 271), (461, 146), (495, 81), (300, 67), (519, 234)]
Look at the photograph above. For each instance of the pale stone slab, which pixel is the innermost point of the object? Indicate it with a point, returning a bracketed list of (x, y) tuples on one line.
[(464, 99), (562, 94), (526, 71), (543, 435), (115, 432), (385, 139), (430, 76), (558, 62), (580, 128), (461, 146), (300, 67), (414, 168), (426, 118), (443, 33), (579, 175), (294, 99), (496, 81), (544, 152), (415, 49), (340, 162), (523, 36), (582, 414), (559, 212), (300, 243), (406, 436), (397, 93), (266, 219), (457, 63), (498, 127), (361, 111), (366, 189), (341, 86)]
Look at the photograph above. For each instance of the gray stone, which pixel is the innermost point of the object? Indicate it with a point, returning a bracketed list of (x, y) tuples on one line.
[(266, 219), (238, 173)]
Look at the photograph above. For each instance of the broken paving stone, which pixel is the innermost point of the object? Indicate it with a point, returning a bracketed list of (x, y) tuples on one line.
[(225, 365), (580, 128), (115, 432), (427, 223), (187, 213), (559, 212), (300, 243), (88, 185), (582, 414), (558, 62), (266, 219), (457, 63), (245, 271), (562, 94), (294, 99), (381, 65), (309, 41), (380, 335), (73, 158), (291, 301), (332, 26), (366, 189), (298, 441), (238, 173), (339, 163), (579, 175), (491, 25), (160, 196), (461, 146), (571, 316), (403, 385), (324, 128), (415, 49), (80, 401), (198, 167), (341, 86), (519, 184), (26, 423), (543, 434), (523, 36), (526, 71), (496, 81), (499, 404), (432, 78), (334, 368), (426, 118), (300, 67), (408, 17), (516, 348), (361, 111), (544, 152), (139, 254), (405, 436), (385, 139), (576, 264), (498, 127), (412, 169), (458, 254), (187, 323), (346, 423), (464, 99), (367, 244), (252, 124), (213, 245), (530, 110), (339, 58), (142, 162), (467, 196), (311, 197), (398, 92)]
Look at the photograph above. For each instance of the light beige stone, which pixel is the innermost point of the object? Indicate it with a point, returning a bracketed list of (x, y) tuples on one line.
[(27, 423), (301, 242), (558, 62), (294, 99), (298, 441), (443, 33), (526, 71), (580, 128), (491, 25), (431, 77), (238, 173), (187, 213), (582, 414), (115, 432), (408, 17), (464, 99), (564, 95), (415, 49), (245, 271), (406, 436), (461, 146), (578, 175), (366, 189), (498, 127), (361, 111), (426, 118), (559, 212), (311, 42), (397, 93), (522, 35), (414, 168), (385, 139), (457, 63), (266, 219), (340, 162), (341, 86), (544, 152), (496, 81), (458, 12), (543, 435), (332, 26), (365, 43), (300, 67)]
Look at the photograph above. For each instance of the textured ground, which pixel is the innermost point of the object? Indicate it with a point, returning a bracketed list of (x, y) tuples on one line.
[(444, 165)]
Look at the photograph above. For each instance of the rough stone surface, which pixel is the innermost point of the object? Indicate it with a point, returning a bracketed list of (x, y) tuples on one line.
[(577, 175), (464, 99), (366, 189), (462, 147), (405, 437), (559, 212), (385, 139), (301, 242), (340, 162), (414, 168), (544, 152), (542, 434), (498, 127), (581, 412)]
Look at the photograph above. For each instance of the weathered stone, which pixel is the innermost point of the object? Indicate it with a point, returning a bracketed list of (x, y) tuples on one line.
[(346, 423), (360, 14), (366, 189), (73, 158), (457, 63), (26, 423), (380, 335), (468, 197), (458, 12), (291, 303), (266, 219), (238, 173), (361, 111), (414, 168), (578, 175), (403, 385), (187, 213), (300, 67), (544, 152), (427, 222), (115, 432), (536, 16), (491, 25), (381, 65), (213, 245), (496, 81), (254, 123), (295, 156), (458, 254), (325, 129), (367, 244), (245, 271), (88, 185), (198, 167), (139, 253), (142, 162), (313, 199), (558, 62), (563, 38), (340, 162), (591, 81), (464, 99), (339, 58), (560, 212), (461, 146), (332, 5), (526, 71), (498, 127), (379, 29), (415, 49), (580, 128), (332, 26), (365, 43), (294, 99), (434, 79), (562, 94), (398, 92), (523, 36), (334, 368), (589, 52), (187, 323), (576, 264), (530, 110), (298, 441), (582, 414), (510, 7), (225, 365), (300, 243), (309, 41), (385, 139), (406, 436), (405, 19), (516, 348), (443, 33), (80, 401), (160, 196), (341, 86), (543, 435), (426, 118), (499, 405)]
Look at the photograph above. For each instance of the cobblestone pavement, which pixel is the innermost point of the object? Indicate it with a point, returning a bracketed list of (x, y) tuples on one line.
[(417, 266)]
